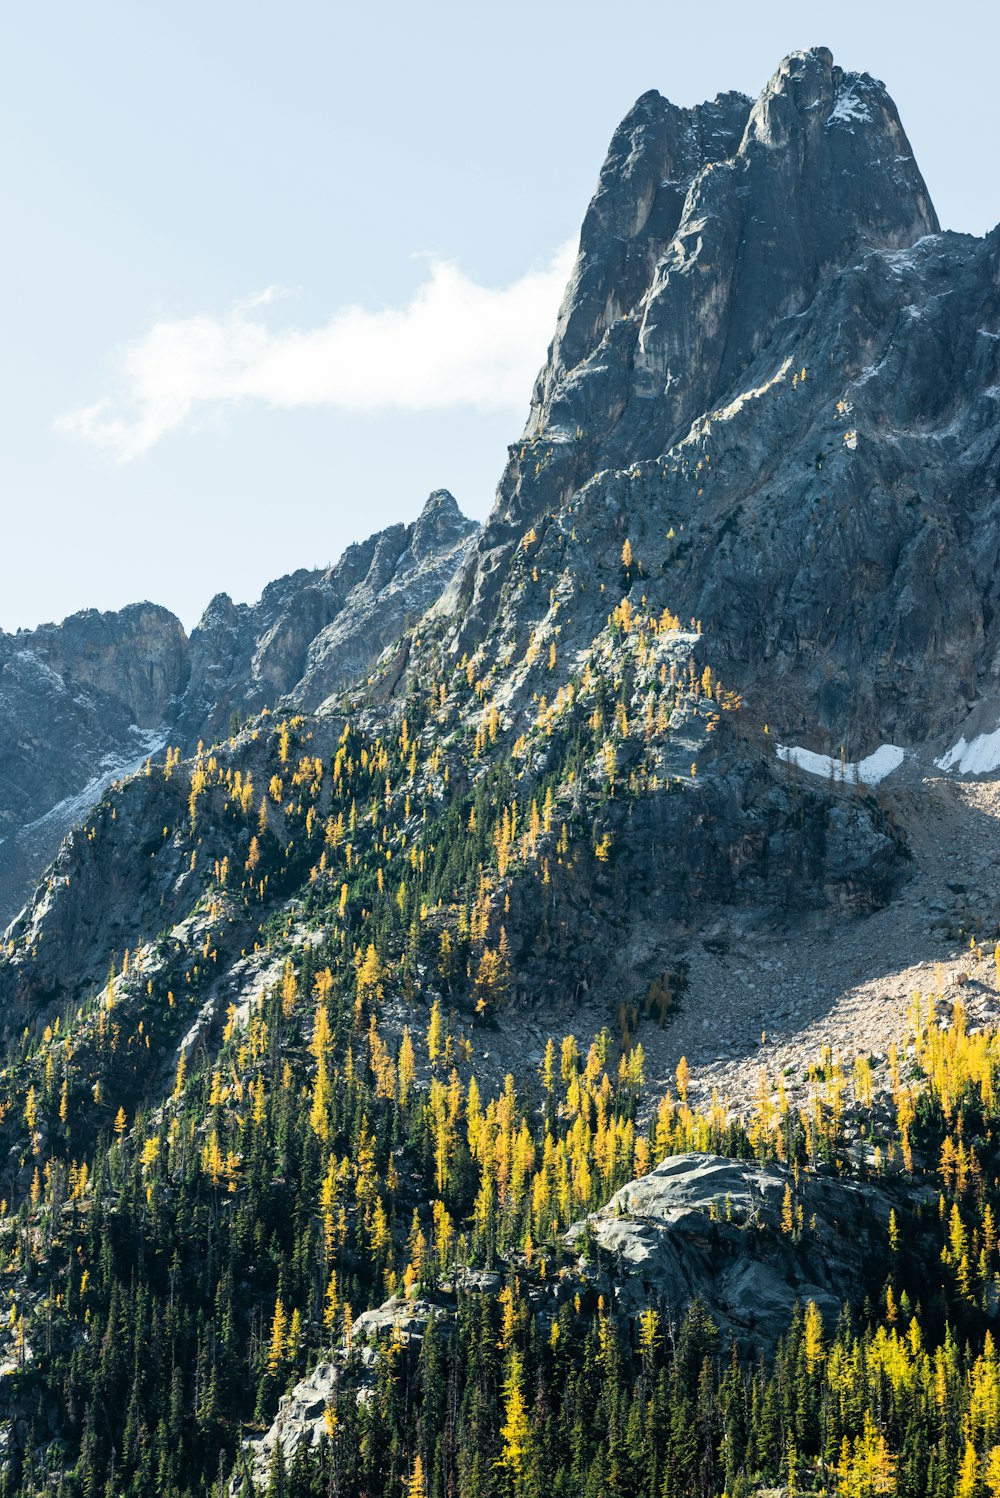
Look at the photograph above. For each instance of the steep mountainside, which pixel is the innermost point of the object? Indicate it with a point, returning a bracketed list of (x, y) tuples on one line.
[(362, 1122), (86, 701), (779, 381)]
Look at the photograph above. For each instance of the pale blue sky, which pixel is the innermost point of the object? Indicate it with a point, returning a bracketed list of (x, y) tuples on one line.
[(162, 165)]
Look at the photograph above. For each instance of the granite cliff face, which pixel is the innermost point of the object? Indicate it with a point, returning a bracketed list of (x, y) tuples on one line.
[(85, 702), (776, 377), (708, 227)]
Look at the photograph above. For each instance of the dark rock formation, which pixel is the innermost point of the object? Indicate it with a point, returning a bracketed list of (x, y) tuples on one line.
[(742, 839), (80, 703), (315, 632), (713, 224)]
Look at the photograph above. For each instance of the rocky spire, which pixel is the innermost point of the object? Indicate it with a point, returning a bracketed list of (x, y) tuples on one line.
[(439, 524), (709, 227)]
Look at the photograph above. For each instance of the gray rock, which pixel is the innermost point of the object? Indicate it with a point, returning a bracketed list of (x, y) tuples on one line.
[(698, 1226), (301, 1413), (707, 1227), (80, 703)]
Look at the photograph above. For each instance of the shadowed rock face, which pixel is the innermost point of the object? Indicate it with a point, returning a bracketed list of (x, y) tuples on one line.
[(723, 219), (80, 702), (85, 701), (778, 379)]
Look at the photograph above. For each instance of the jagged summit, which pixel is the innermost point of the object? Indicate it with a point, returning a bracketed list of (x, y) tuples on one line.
[(718, 220), (709, 226), (440, 523), (654, 155), (723, 220), (776, 376), (441, 501), (809, 83)]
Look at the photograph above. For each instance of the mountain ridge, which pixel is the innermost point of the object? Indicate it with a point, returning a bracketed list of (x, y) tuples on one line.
[(87, 700)]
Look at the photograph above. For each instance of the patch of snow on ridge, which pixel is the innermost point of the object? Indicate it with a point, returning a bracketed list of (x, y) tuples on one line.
[(977, 758), (849, 107), (72, 809), (869, 771)]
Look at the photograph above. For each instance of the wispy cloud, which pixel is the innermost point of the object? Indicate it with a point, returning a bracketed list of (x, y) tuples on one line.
[(456, 343)]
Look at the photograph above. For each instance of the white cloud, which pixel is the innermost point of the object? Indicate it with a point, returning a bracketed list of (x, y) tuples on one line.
[(455, 344)]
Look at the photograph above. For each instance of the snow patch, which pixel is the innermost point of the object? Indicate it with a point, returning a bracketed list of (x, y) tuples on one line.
[(72, 809), (977, 758), (900, 261), (869, 771), (848, 107)]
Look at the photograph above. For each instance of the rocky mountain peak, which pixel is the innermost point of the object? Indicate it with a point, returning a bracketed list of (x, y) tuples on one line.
[(439, 524), (654, 155), (718, 235), (803, 91), (136, 656), (441, 502), (845, 121), (708, 226)]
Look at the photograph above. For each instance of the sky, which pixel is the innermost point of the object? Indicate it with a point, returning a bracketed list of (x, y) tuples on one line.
[(272, 273)]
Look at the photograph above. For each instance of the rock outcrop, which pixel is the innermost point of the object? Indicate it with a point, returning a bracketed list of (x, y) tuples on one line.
[(700, 1228), (302, 1418), (80, 704), (710, 1228), (315, 632)]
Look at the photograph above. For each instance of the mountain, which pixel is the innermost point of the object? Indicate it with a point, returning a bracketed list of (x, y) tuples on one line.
[(778, 380), (86, 702), (532, 1024)]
